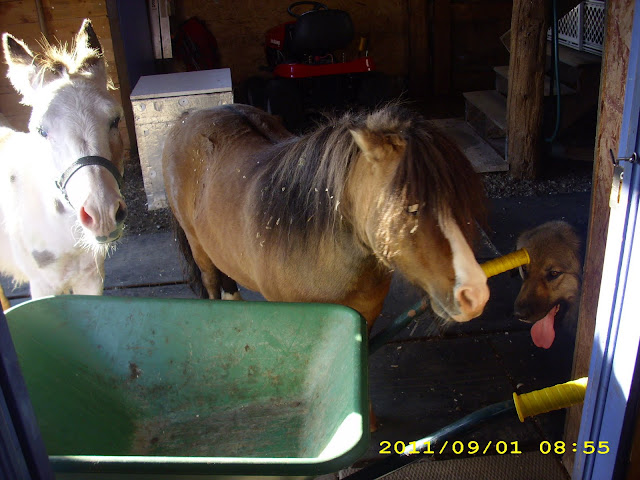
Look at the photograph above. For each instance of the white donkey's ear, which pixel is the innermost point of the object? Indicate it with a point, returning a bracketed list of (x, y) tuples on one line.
[(22, 68), (87, 38), (89, 51)]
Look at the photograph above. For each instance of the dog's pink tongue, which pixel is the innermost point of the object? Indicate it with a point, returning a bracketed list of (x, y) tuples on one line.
[(542, 331)]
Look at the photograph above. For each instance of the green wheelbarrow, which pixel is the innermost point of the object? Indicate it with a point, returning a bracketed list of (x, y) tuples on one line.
[(164, 388), (167, 388)]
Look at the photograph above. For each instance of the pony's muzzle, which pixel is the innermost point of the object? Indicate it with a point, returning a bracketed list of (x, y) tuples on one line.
[(470, 300)]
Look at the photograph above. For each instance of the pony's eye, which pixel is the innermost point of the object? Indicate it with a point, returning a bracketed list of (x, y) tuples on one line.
[(115, 122), (413, 209), (43, 133)]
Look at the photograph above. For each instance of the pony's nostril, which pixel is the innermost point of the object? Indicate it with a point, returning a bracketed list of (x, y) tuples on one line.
[(471, 300), (465, 299), (85, 218), (121, 214)]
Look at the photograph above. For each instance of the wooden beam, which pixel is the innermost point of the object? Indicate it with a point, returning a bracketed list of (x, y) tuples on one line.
[(529, 23), (41, 20), (615, 63), (122, 72)]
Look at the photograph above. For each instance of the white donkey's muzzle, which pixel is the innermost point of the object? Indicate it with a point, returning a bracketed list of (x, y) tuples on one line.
[(103, 215)]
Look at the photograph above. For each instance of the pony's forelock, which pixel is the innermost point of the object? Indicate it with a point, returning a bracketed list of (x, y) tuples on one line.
[(436, 175)]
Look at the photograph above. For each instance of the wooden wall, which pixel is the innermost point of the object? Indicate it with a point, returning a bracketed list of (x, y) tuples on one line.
[(440, 46), (460, 43), (437, 47), (61, 20), (239, 28), (476, 27)]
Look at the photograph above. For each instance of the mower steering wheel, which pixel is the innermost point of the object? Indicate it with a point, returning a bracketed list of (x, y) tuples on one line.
[(316, 6)]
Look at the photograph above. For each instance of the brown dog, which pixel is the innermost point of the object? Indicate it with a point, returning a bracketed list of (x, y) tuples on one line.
[(551, 283)]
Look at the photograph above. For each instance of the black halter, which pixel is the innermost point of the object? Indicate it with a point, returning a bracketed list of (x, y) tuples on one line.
[(85, 162)]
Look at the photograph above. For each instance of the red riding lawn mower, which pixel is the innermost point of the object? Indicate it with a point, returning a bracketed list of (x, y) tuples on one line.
[(307, 77)]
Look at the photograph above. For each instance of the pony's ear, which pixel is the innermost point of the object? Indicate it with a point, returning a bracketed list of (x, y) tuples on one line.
[(378, 146), (89, 49), (22, 68)]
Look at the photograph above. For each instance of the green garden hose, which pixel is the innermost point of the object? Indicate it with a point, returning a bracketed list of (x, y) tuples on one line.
[(525, 405)]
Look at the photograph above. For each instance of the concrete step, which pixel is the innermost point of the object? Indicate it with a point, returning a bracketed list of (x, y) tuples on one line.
[(483, 157), (493, 105), (575, 58), (486, 112), (579, 70), (502, 83), (575, 104), (502, 79)]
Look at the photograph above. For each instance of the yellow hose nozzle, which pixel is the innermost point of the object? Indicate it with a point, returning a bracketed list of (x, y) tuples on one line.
[(506, 262), (551, 398)]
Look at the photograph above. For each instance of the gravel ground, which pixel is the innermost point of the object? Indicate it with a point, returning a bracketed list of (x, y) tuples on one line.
[(499, 185), (559, 176), (139, 218)]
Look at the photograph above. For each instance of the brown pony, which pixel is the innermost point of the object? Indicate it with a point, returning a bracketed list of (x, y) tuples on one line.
[(328, 216)]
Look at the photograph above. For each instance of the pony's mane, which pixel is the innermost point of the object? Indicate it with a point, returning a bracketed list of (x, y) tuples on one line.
[(304, 178), (303, 181)]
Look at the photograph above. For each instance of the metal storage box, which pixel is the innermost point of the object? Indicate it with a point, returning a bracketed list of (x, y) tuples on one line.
[(158, 101), (149, 386)]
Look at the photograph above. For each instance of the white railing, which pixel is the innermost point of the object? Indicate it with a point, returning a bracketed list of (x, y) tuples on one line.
[(583, 27)]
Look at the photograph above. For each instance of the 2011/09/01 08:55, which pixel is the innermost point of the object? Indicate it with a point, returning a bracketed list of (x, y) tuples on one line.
[(501, 447)]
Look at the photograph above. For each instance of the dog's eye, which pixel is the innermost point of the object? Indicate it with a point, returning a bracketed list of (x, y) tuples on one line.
[(553, 274), (525, 271)]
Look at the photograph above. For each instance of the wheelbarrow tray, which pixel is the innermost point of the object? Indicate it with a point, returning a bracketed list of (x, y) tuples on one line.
[(194, 387)]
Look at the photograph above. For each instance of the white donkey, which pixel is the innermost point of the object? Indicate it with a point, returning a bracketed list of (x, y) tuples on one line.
[(60, 200)]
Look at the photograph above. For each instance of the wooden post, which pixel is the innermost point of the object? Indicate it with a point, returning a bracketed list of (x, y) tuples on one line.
[(615, 63), (529, 24)]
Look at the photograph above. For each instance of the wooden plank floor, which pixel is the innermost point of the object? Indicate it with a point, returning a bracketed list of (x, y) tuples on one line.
[(430, 374)]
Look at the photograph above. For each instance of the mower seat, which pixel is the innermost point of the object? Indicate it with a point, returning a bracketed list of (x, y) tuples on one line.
[(318, 32)]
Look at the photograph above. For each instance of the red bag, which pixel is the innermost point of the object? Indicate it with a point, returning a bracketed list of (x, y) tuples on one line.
[(196, 46)]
